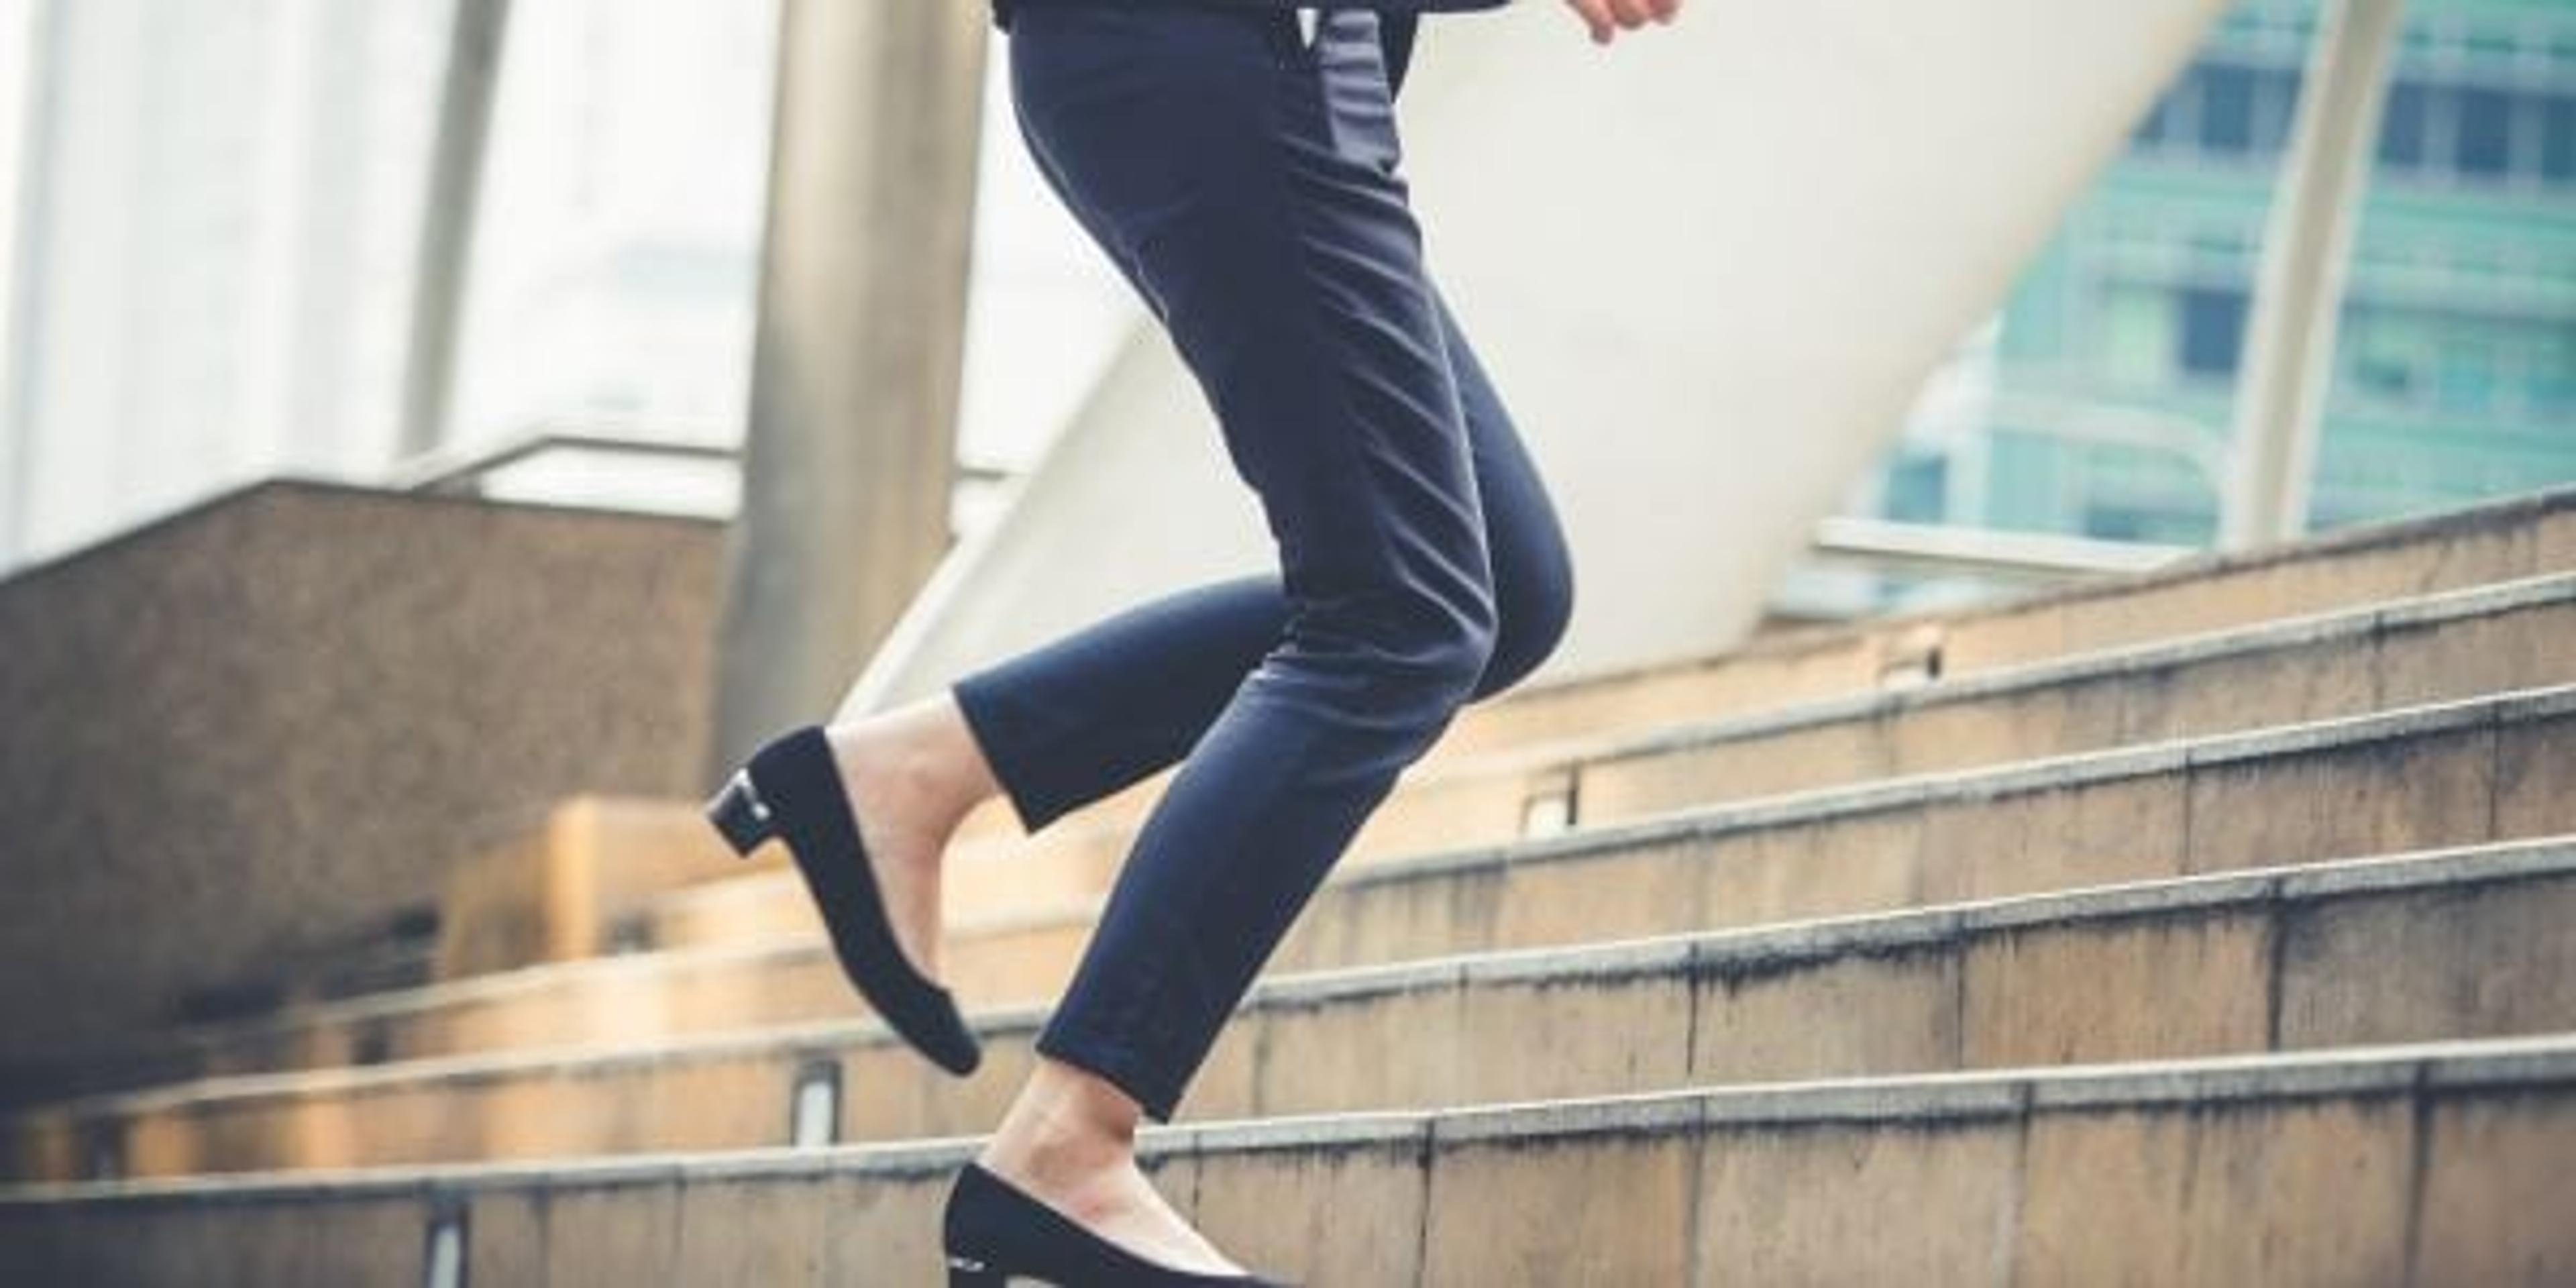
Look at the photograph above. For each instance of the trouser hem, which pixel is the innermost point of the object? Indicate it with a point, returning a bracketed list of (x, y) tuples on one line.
[(1124, 1067), (1000, 754)]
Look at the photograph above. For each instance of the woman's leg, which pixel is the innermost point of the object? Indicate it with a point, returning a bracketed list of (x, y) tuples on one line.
[(1122, 699), (1250, 182), (1071, 721), (1062, 725), (1261, 214), (1096, 710)]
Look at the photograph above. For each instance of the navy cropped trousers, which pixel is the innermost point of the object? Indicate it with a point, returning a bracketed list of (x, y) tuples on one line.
[(1246, 182)]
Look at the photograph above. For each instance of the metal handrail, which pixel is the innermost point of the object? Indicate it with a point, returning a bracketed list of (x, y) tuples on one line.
[(2112, 425), (461, 471), (1889, 545), (1878, 543)]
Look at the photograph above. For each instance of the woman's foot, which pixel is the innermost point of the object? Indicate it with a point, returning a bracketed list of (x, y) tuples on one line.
[(912, 774), (1069, 1141)]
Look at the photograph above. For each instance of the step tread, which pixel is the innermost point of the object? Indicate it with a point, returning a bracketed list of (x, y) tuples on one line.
[(1693, 822), (2450, 869), (2494, 599), (2511, 511), (2533, 1063)]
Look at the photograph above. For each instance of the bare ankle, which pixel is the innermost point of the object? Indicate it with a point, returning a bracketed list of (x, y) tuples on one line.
[(949, 744), (1070, 1140), (925, 752), (1066, 1122)]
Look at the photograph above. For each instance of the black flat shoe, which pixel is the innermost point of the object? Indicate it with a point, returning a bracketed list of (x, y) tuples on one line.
[(994, 1234), (791, 789)]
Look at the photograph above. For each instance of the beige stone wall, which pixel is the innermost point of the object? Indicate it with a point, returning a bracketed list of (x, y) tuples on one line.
[(287, 713)]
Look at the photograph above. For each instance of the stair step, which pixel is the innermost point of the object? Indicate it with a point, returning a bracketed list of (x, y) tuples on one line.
[(564, 892), (560, 889), (2444, 647), (1977, 844), (2436, 1163), (2477, 942), (2489, 769), (2497, 541)]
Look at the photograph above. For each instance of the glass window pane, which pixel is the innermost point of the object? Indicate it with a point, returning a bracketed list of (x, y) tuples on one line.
[(2227, 108), (2278, 101), (2553, 370), (2137, 334), (2558, 139), (2401, 127), (2486, 133), (2464, 377), (2384, 352), (2213, 329), (1918, 488)]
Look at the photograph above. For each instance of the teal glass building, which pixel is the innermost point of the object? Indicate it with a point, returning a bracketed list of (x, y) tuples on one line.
[(2108, 380)]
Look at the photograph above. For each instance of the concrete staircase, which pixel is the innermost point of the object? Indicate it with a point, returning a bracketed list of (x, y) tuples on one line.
[(2215, 926)]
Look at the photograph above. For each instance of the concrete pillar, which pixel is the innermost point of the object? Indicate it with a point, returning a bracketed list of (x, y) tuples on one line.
[(2288, 363), (850, 452), (447, 220)]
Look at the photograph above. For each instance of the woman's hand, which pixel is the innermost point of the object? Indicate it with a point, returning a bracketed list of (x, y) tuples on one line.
[(1604, 17)]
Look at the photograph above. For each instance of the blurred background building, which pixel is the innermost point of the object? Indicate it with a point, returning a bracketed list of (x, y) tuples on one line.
[(214, 214), (2456, 371), (213, 220), (217, 213), (212, 209)]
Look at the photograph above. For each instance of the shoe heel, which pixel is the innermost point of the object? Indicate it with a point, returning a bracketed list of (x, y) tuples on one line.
[(966, 1272), (738, 812)]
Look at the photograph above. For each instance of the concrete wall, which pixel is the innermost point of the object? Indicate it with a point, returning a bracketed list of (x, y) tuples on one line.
[(280, 717)]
